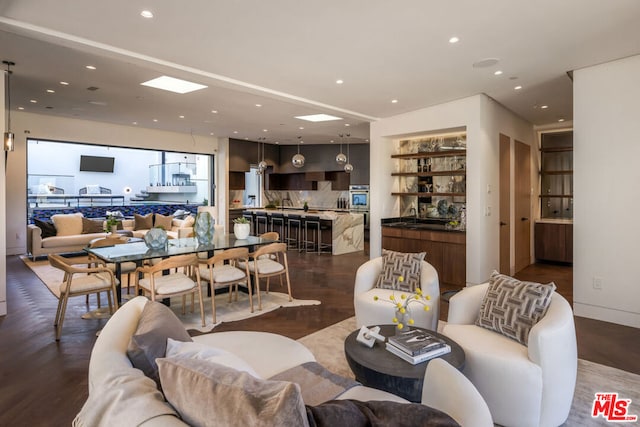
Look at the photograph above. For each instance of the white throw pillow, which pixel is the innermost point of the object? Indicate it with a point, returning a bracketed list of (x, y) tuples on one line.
[(93, 189), (68, 224), (194, 350)]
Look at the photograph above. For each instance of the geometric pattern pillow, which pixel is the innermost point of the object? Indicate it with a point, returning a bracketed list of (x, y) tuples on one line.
[(396, 265), (511, 307)]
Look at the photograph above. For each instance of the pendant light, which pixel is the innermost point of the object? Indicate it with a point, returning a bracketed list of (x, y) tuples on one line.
[(348, 167), (9, 137), (262, 165), (298, 159), (341, 159)]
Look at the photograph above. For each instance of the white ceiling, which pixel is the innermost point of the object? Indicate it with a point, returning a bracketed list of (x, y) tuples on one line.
[(287, 55)]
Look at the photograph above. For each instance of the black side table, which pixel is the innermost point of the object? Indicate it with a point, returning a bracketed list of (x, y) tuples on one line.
[(378, 368)]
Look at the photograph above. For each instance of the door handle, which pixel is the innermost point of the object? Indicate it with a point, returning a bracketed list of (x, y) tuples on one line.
[(502, 223), (523, 219)]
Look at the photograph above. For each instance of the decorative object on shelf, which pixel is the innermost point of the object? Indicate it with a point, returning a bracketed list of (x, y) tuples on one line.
[(156, 238), (341, 159), (402, 316), (348, 168), (204, 227), (9, 137), (443, 208), (369, 337), (241, 228), (298, 159)]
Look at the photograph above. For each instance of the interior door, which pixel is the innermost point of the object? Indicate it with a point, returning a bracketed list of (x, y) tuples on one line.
[(522, 185), (505, 204)]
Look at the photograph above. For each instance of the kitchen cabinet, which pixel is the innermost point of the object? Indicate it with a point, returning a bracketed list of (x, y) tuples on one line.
[(289, 181), (554, 242), (236, 180), (445, 251), (556, 175), (340, 180)]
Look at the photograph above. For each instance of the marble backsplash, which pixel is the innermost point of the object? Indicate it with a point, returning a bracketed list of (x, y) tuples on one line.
[(323, 197)]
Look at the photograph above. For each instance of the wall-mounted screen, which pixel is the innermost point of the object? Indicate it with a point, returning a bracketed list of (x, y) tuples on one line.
[(96, 164)]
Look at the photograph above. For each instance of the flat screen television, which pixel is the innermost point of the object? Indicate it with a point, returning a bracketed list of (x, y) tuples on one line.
[(96, 164)]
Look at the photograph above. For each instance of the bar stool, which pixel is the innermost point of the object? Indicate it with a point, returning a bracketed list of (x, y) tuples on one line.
[(294, 227), (311, 223), (277, 224), (262, 223), (248, 215), (324, 247)]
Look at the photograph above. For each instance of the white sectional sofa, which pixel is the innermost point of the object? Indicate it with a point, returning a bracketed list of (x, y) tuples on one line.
[(75, 242)]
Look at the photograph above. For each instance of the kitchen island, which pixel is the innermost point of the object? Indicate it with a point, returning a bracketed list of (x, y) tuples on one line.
[(345, 230)]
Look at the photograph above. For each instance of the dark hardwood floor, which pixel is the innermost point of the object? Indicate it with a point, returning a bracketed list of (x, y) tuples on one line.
[(44, 383)]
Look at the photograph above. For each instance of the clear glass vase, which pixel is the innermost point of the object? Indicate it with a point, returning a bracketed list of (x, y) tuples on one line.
[(204, 227), (403, 319)]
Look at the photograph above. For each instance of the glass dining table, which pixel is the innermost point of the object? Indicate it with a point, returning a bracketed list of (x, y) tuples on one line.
[(137, 251)]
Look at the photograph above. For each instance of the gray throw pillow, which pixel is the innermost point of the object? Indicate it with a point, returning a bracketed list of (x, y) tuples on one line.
[(157, 323), (209, 394), (511, 307), (400, 271)]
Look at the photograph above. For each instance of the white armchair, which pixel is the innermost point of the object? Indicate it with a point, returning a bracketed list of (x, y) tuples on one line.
[(370, 312), (523, 385)]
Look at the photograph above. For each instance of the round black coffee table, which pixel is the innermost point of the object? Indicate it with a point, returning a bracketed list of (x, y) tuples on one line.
[(378, 368)]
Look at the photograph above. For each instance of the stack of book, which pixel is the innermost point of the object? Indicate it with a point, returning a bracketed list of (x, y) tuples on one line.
[(417, 346)]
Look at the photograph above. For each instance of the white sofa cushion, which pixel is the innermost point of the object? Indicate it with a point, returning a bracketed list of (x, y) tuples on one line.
[(194, 350), (67, 224)]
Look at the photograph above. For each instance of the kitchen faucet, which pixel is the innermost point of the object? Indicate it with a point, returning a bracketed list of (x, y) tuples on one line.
[(285, 199)]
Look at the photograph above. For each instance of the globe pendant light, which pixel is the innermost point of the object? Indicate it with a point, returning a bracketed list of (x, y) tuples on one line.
[(298, 159), (348, 167), (341, 159), (262, 166)]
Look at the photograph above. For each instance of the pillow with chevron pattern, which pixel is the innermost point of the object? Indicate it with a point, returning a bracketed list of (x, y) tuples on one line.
[(400, 271), (511, 307)]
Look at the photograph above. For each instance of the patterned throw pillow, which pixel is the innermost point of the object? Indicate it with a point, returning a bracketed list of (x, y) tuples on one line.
[(398, 264), (511, 307)]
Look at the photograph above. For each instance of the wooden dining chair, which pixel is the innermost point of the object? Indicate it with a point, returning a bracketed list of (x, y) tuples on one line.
[(81, 281), (127, 268), (264, 265), (227, 268), (183, 279)]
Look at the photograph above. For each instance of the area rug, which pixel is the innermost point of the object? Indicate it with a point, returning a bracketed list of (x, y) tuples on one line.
[(225, 311), (327, 345)]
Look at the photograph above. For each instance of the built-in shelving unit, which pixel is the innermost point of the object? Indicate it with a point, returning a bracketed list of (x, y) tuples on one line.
[(556, 175)]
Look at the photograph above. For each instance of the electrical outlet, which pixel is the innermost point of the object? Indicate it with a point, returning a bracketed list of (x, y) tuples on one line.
[(487, 211), (597, 283)]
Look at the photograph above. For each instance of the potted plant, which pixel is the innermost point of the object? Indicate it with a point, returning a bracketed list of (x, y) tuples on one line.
[(111, 224), (305, 207), (241, 228)]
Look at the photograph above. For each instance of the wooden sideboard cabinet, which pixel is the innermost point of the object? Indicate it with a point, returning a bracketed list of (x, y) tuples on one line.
[(446, 251), (554, 242)]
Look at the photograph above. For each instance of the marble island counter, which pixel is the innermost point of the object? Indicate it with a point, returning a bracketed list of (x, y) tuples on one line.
[(343, 230)]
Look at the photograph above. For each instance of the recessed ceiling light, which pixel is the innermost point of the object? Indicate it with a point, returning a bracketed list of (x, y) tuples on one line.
[(182, 117), (339, 81), (51, 91), (454, 40), (347, 124), (258, 105), (246, 138), (497, 72), (211, 133), (318, 118), (155, 120), (277, 142), (214, 111), (394, 101), (544, 107), (90, 67), (64, 83), (332, 141), (20, 108), (265, 130), (561, 120), (172, 84), (146, 14), (134, 123), (235, 131), (301, 142), (301, 127), (518, 87), (33, 101)]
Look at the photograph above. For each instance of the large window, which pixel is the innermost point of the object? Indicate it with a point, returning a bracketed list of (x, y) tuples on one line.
[(63, 174)]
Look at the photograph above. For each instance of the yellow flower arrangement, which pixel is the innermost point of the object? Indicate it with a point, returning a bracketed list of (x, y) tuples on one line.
[(402, 305)]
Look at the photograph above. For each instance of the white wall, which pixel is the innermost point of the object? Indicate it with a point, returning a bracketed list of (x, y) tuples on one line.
[(606, 241), (38, 126), (483, 119)]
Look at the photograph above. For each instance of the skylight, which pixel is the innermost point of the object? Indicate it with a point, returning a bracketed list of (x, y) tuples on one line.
[(318, 118), (173, 85)]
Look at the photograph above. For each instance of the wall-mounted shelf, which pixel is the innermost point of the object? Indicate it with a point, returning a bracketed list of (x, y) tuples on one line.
[(429, 154), (422, 194), (460, 172)]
